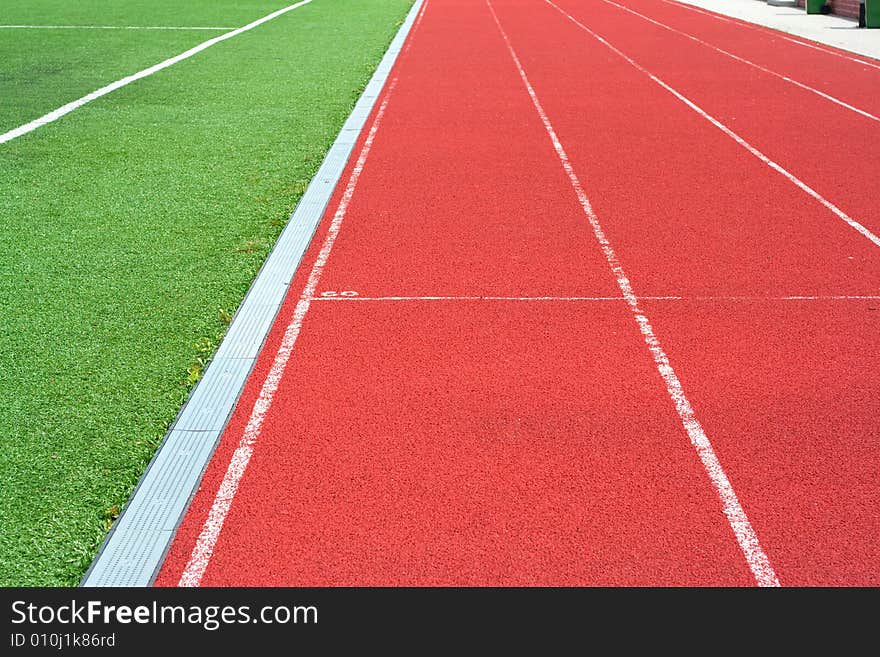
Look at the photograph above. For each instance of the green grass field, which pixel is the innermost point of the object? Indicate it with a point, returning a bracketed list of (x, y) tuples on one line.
[(131, 228)]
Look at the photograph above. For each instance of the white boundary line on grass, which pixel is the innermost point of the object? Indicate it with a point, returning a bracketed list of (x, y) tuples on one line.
[(727, 131), (806, 87), (56, 114), (133, 552), (736, 516), (108, 27)]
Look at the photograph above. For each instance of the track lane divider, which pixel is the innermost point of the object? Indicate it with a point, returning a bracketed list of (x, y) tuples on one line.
[(757, 560)]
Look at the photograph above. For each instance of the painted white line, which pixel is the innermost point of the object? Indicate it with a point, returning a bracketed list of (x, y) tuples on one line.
[(730, 133), (821, 94), (848, 297), (817, 297), (774, 32), (54, 115), (736, 516), (856, 297), (108, 27), (415, 26), (204, 547)]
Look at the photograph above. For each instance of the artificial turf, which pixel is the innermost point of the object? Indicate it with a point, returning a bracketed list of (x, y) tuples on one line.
[(130, 231)]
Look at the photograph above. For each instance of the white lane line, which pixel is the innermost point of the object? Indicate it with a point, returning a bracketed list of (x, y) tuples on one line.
[(464, 298), (109, 27), (355, 297), (775, 32), (863, 297), (736, 516), (730, 133), (56, 114), (415, 26), (204, 547), (821, 94)]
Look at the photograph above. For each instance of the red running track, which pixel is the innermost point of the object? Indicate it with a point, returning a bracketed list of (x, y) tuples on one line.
[(494, 407)]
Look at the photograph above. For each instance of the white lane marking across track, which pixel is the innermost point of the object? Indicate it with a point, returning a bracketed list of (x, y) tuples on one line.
[(354, 296)]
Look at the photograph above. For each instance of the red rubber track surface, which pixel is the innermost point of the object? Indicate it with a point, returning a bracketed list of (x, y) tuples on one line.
[(521, 442)]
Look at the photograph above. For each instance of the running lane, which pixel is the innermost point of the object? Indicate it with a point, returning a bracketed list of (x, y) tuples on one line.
[(787, 388), (517, 430)]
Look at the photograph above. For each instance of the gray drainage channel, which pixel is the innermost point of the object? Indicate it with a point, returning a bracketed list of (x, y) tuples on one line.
[(133, 551)]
